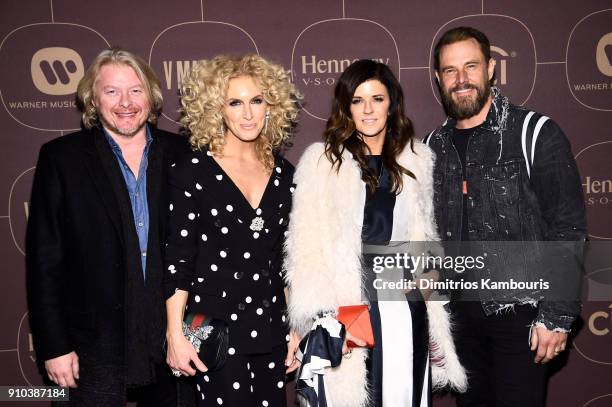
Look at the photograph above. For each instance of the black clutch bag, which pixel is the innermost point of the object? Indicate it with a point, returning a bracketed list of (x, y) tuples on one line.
[(209, 337)]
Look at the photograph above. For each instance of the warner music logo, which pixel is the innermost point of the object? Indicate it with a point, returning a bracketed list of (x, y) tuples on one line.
[(603, 60), (597, 192), (56, 70), (327, 70)]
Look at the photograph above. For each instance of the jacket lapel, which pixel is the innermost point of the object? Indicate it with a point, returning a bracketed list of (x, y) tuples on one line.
[(155, 196), (102, 166)]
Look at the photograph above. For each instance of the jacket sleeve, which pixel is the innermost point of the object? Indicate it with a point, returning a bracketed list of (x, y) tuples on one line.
[(46, 273), (181, 231), (556, 182), (307, 251)]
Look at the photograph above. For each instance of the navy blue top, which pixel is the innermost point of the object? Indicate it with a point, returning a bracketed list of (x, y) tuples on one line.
[(378, 210)]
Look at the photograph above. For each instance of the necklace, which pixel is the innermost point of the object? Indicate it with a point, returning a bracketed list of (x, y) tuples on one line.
[(379, 169)]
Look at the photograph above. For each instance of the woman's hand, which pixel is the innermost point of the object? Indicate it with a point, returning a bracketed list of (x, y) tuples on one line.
[(291, 362), (181, 354), (357, 341)]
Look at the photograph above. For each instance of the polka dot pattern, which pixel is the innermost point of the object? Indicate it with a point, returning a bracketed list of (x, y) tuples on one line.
[(236, 266)]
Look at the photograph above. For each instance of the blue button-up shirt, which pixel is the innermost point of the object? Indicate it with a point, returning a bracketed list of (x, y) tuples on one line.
[(137, 189)]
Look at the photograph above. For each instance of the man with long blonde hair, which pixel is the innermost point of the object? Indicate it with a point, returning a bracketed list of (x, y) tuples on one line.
[(94, 241)]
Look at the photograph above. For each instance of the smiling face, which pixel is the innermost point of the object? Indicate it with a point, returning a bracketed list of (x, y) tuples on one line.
[(245, 109), (464, 78), (370, 109), (121, 100)]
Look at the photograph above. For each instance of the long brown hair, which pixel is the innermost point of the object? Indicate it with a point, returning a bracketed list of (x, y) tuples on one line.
[(340, 132)]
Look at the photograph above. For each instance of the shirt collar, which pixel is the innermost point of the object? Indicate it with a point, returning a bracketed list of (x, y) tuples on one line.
[(115, 147)]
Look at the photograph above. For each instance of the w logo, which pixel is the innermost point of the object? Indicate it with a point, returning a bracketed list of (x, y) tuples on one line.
[(604, 54), (56, 70)]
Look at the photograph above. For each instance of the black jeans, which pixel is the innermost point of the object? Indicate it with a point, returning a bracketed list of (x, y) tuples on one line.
[(496, 354)]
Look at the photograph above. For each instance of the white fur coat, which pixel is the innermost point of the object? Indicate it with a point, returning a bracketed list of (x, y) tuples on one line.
[(323, 257)]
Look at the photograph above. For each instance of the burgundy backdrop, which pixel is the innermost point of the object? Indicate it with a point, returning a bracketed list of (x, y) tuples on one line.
[(553, 56)]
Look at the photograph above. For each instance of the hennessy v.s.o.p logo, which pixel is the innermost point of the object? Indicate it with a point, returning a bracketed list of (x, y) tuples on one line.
[(56, 70), (604, 54)]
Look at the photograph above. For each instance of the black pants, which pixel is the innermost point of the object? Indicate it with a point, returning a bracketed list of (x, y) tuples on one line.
[(102, 386), (496, 354), (245, 380)]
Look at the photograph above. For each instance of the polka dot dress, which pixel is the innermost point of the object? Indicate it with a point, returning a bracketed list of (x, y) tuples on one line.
[(228, 255), (246, 380)]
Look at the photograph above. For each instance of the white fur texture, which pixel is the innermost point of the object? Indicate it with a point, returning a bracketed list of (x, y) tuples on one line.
[(323, 256)]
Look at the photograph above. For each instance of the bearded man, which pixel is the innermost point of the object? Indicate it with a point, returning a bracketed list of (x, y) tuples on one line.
[(503, 174)]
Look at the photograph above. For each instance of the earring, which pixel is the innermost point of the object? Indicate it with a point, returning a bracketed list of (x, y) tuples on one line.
[(267, 119), (222, 129)]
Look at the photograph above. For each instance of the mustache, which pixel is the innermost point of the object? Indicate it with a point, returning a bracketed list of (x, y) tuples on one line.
[(464, 86)]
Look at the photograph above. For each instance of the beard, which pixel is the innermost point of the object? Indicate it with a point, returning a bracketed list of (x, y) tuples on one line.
[(465, 107), (123, 131)]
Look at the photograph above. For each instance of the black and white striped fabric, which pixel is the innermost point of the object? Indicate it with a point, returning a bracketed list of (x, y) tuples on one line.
[(529, 136), (320, 349), (532, 125)]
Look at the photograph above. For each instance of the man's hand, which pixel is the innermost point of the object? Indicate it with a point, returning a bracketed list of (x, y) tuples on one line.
[(64, 370), (547, 344)]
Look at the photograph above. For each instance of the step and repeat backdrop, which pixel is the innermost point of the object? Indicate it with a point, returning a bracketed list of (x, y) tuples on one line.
[(553, 56)]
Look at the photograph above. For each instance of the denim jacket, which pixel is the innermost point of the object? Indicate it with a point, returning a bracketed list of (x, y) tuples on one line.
[(512, 198)]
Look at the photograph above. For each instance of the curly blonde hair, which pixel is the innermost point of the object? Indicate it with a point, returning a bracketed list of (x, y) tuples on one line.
[(203, 94), (86, 88)]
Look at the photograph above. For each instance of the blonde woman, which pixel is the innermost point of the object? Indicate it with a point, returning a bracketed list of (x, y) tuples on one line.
[(229, 207)]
